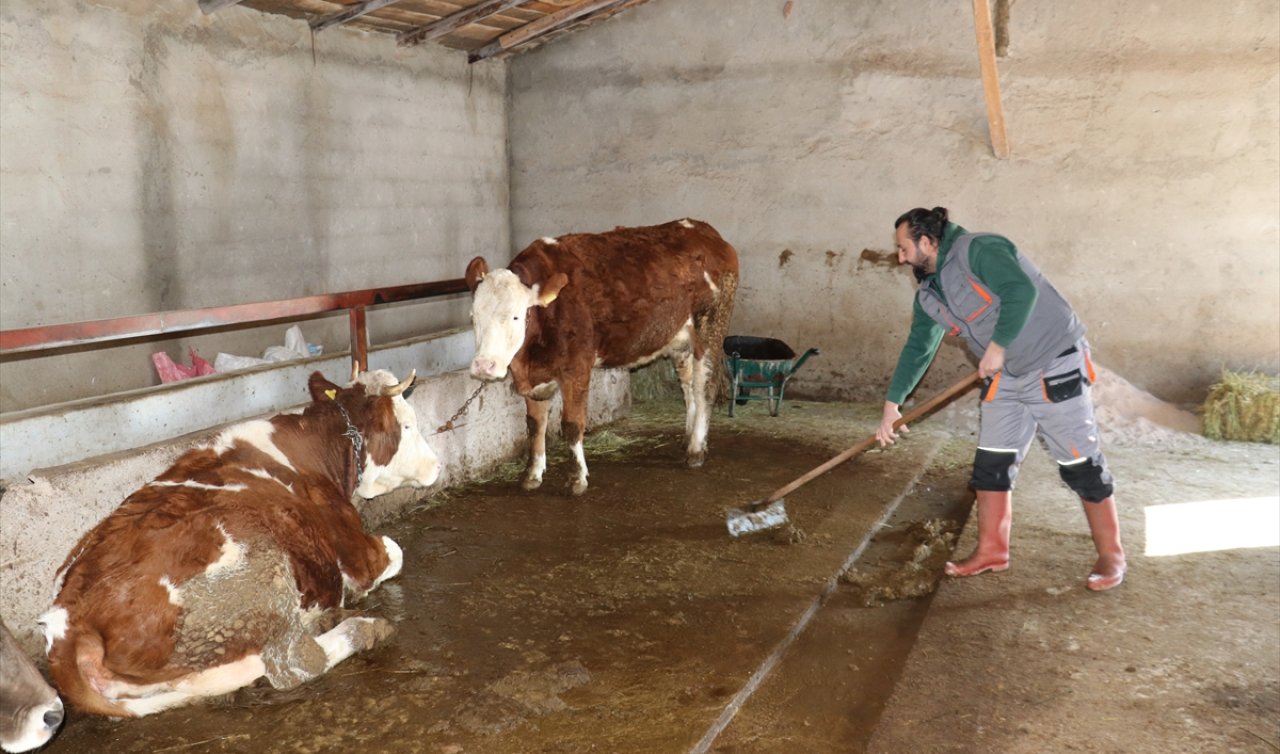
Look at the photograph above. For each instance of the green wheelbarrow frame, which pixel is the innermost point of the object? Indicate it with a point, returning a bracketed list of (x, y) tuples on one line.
[(760, 364)]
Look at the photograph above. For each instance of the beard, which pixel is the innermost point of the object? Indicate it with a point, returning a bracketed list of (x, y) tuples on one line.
[(920, 271)]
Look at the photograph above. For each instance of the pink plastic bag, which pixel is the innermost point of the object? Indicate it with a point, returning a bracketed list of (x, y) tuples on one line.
[(170, 371)]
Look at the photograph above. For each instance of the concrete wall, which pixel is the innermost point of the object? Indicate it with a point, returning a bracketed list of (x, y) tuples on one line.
[(153, 158), (1144, 179)]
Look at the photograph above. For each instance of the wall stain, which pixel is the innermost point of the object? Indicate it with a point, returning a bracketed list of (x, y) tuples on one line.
[(785, 257), (833, 257), (878, 258)]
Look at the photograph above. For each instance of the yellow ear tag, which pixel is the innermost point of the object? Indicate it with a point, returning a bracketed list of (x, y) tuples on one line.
[(331, 393)]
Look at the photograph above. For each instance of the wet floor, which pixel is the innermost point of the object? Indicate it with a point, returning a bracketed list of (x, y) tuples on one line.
[(626, 620)]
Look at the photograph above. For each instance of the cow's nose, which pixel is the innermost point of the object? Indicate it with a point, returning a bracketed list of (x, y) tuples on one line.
[(53, 717), (483, 367)]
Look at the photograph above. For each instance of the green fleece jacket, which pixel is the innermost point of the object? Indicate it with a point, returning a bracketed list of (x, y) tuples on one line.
[(994, 261)]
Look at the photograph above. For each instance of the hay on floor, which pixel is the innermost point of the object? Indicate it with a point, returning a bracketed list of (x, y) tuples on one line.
[(1244, 406)]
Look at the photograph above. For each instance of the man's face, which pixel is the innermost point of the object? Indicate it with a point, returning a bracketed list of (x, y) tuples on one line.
[(921, 255)]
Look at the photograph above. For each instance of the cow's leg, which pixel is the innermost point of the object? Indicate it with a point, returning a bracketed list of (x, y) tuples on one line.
[(350, 636), (573, 425), (701, 411), (693, 374), (367, 562), (536, 412), (222, 679)]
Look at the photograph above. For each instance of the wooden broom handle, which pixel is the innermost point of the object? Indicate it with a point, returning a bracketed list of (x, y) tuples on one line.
[(944, 397)]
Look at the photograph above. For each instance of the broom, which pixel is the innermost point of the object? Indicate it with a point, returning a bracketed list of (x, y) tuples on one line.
[(771, 512)]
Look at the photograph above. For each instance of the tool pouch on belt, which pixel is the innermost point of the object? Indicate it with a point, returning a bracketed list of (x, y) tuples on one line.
[(1064, 387)]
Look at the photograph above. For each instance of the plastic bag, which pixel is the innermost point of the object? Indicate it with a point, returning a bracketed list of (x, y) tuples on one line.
[(171, 371), (295, 347)]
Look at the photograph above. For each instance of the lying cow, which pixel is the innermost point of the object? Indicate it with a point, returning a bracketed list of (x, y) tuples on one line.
[(616, 299), (30, 710), (227, 566)]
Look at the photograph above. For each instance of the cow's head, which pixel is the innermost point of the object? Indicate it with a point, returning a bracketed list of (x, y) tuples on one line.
[(30, 710), (498, 313), (395, 452)]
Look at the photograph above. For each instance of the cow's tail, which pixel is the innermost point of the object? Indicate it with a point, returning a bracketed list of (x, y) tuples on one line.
[(76, 664), (715, 328)]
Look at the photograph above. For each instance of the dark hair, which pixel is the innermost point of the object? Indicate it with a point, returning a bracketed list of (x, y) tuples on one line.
[(923, 222)]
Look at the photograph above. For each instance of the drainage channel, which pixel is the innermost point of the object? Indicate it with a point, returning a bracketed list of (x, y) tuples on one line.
[(826, 681)]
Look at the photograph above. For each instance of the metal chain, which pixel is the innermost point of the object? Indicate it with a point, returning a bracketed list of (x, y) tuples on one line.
[(449, 425)]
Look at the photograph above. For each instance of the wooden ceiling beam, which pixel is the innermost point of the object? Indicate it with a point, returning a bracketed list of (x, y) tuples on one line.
[(347, 14), (990, 77), (212, 6), (544, 25), (454, 21)]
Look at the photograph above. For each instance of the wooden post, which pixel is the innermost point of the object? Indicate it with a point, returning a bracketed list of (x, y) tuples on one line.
[(990, 77), (359, 339)]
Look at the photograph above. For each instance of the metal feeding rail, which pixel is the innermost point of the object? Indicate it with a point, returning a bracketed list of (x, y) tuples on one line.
[(34, 340)]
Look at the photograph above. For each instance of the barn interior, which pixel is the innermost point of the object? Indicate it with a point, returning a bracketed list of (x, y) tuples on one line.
[(186, 154)]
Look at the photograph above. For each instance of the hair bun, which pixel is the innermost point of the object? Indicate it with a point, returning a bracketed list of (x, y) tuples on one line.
[(941, 214)]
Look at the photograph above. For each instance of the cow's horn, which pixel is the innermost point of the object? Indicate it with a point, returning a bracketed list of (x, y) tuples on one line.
[(355, 371), (403, 386)]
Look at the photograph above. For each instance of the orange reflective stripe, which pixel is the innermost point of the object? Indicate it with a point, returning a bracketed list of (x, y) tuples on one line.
[(985, 297), (1088, 366), (995, 384), (1074, 453)]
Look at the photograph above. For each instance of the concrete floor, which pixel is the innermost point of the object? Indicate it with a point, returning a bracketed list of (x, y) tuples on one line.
[(628, 621)]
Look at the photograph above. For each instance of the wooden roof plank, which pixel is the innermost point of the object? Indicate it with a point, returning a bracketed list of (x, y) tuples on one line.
[(343, 16), (544, 25), (454, 21)]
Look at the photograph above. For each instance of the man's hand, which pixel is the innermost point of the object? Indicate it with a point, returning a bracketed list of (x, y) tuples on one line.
[(992, 361), (885, 433)]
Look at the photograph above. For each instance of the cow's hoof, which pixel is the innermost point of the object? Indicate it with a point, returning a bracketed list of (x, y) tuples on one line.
[(367, 633), (529, 484), (578, 487), (695, 460)]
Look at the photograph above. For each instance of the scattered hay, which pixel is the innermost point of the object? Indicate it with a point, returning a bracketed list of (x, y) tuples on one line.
[(915, 572), (1243, 406)]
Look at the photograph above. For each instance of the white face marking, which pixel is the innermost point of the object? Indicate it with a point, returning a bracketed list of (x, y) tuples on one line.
[(498, 314), (53, 624), (686, 223), (413, 463), (256, 433)]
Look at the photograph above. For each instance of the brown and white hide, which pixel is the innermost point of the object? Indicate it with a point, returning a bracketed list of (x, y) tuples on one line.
[(617, 299), (233, 563)]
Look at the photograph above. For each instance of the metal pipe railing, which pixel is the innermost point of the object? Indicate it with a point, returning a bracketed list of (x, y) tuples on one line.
[(33, 340)]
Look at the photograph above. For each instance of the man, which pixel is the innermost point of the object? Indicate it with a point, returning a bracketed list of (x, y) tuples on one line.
[(1035, 364)]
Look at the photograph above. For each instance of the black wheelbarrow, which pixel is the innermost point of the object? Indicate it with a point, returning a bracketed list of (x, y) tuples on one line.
[(760, 364)]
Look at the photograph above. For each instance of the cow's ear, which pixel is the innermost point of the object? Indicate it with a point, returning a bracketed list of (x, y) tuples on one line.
[(549, 290), (476, 271), (321, 389)]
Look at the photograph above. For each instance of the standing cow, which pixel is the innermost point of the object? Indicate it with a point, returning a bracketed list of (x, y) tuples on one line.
[(616, 299), (30, 710), (232, 564)]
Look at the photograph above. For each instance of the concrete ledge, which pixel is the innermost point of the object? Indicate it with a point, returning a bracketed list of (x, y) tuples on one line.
[(43, 516), (74, 431)]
